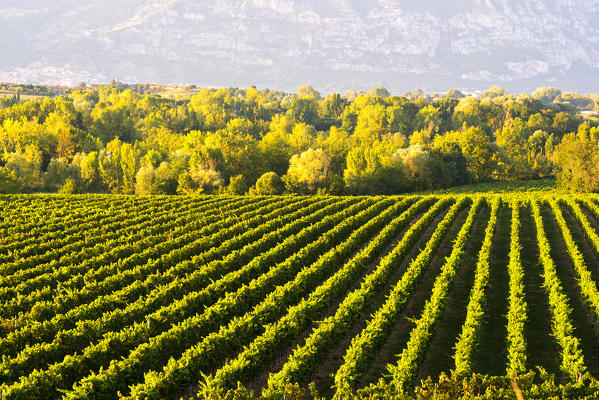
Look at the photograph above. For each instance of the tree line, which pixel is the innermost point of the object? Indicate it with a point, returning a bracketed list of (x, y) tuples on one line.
[(236, 141)]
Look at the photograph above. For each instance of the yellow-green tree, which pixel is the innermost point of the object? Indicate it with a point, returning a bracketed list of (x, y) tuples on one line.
[(308, 171), (577, 162)]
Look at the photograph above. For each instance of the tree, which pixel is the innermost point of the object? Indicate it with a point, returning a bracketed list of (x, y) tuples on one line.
[(481, 160), (379, 92), (429, 118), (401, 118), (150, 180), (63, 132), (494, 92), (372, 170), (455, 94), (239, 151), (165, 179), (351, 95), (25, 167), (301, 138), (199, 181), (422, 137), (90, 171), (152, 158), (236, 186), (58, 172), (110, 170), (423, 170), (336, 144), (307, 172), (308, 91), (69, 187), (467, 113), (8, 181), (129, 164), (546, 94), (113, 122), (333, 106), (513, 139), (372, 124), (270, 183), (540, 145), (144, 180), (577, 163), (565, 123), (216, 107), (305, 109), (274, 145)]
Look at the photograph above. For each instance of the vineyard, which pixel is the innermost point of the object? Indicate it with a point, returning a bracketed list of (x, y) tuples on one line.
[(105, 297)]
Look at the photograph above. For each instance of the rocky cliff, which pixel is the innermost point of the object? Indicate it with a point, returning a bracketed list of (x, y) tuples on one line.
[(333, 45)]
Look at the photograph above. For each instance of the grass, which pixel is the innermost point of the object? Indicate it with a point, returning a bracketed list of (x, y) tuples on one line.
[(531, 185)]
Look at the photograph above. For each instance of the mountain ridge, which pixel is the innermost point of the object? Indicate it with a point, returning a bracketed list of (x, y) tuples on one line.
[(334, 45)]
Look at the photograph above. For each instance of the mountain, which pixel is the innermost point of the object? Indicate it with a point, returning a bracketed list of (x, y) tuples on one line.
[(332, 45)]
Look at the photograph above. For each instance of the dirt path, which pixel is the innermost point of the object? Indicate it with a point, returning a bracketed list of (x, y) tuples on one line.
[(540, 344), (490, 357)]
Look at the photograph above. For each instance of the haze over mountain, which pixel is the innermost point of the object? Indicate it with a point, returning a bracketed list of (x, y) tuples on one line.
[(332, 45)]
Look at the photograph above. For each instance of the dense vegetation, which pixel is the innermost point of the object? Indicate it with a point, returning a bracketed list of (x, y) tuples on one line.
[(114, 139), (212, 296)]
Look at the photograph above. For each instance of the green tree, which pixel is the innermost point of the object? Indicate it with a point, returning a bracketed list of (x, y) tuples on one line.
[(26, 167), (513, 139), (62, 130), (8, 181), (90, 171), (69, 187), (546, 94), (129, 164), (274, 146), (305, 109), (481, 159), (307, 90), (577, 163), (308, 172), (199, 181), (336, 144), (109, 167), (113, 122), (152, 158), (454, 94), (372, 170), (379, 92), (236, 186), (332, 107), (144, 180), (270, 183), (372, 124), (423, 171), (494, 92)]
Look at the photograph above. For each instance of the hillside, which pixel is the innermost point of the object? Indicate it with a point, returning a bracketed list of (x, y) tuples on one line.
[(334, 45)]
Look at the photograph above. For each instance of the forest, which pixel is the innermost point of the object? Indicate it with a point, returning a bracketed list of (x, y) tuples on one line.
[(129, 139)]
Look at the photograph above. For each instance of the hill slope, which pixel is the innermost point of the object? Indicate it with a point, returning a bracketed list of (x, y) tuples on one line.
[(282, 43)]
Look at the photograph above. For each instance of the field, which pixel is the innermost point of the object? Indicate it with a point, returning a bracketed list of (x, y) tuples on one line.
[(24, 97), (168, 297)]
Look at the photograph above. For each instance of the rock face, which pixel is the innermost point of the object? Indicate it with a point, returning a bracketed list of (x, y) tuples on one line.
[(332, 44)]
